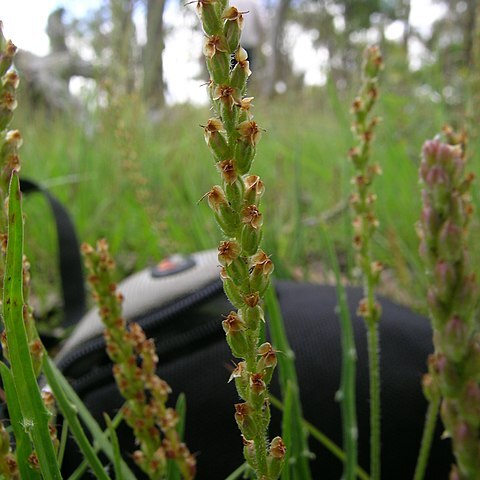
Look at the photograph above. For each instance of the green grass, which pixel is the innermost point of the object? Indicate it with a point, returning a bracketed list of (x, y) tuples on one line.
[(302, 162)]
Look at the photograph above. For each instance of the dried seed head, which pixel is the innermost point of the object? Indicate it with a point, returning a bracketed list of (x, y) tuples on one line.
[(357, 105), (8, 100), (233, 323), (238, 372), (254, 189), (246, 107), (243, 417), (252, 216), (228, 95), (214, 44), (228, 171), (216, 198), (33, 461), (257, 385), (14, 138), (11, 79), (228, 251), (278, 448), (252, 299), (268, 356), (249, 132), (233, 15), (213, 126), (262, 263), (169, 419)]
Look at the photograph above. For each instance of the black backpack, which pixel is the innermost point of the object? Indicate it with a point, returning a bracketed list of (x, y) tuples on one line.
[(181, 307), (180, 304)]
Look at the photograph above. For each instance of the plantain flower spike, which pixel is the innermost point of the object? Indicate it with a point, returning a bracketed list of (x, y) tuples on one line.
[(232, 136)]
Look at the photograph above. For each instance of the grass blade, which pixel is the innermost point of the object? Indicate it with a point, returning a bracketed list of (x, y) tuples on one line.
[(288, 379), (237, 473), (80, 471), (117, 458), (346, 392), (22, 441), (63, 443), (427, 437), (97, 433), (70, 413), (328, 444), (34, 415)]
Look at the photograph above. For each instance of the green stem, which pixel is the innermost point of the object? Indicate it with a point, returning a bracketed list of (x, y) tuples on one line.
[(374, 374), (70, 413), (349, 359), (79, 472), (373, 360), (238, 472), (100, 437), (328, 444), (298, 448), (427, 437), (261, 447), (22, 441)]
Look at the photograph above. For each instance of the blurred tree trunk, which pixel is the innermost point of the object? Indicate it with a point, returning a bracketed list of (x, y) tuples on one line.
[(123, 43), (56, 31), (474, 63), (276, 37), (45, 79), (405, 10), (153, 83), (471, 30)]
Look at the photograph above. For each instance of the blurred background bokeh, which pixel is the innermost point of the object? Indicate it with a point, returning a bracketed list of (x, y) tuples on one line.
[(113, 95)]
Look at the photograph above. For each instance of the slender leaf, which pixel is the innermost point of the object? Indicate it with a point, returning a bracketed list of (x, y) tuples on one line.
[(238, 472), (181, 409), (97, 433), (298, 447), (79, 472), (347, 395), (33, 412), (117, 458), (427, 437), (70, 413), (331, 446), (63, 442), (22, 440)]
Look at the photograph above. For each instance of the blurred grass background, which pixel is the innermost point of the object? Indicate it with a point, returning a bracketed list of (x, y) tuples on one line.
[(138, 183)]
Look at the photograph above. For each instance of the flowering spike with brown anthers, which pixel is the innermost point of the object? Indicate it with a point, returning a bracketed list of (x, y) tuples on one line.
[(254, 190), (228, 171), (249, 132), (258, 389), (134, 370), (214, 137), (452, 296), (245, 271), (365, 224)]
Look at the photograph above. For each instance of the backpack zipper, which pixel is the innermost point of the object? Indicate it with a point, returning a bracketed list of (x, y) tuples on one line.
[(149, 322)]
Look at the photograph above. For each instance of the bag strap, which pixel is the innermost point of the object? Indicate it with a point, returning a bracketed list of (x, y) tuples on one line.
[(69, 259)]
